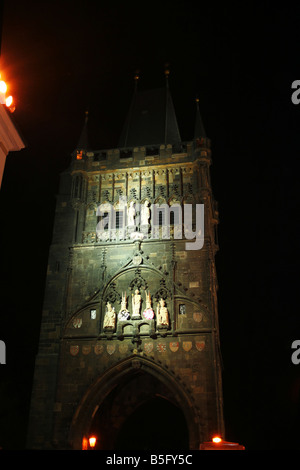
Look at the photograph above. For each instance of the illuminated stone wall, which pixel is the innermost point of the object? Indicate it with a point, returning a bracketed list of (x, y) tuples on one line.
[(87, 270)]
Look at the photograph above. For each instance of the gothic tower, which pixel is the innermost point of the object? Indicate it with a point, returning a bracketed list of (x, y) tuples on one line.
[(129, 340)]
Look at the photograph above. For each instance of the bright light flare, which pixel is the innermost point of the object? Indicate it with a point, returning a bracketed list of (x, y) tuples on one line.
[(9, 101), (216, 440), (92, 441), (3, 87)]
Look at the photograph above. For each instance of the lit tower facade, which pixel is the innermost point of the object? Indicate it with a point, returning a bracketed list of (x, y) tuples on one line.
[(129, 343)]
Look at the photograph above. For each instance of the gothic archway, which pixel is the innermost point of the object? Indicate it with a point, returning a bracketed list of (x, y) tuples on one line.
[(156, 424), (103, 408)]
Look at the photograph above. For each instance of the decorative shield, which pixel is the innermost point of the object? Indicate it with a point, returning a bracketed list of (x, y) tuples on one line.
[(110, 348), (197, 316), (86, 349), (98, 349), (148, 314), (161, 347), (148, 348), (123, 348), (187, 345), (200, 345), (174, 345), (77, 322), (74, 350), (124, 315)]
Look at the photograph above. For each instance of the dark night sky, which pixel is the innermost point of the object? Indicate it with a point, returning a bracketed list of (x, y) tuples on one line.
[(61, 58)]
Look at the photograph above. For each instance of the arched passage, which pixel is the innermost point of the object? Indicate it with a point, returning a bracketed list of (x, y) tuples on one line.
[(111, 405), (157, 424)]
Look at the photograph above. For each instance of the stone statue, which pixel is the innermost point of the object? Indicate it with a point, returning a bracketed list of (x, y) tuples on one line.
[(110, 317), (145, 214), (148, 312), (131, 215), (162, 314), (124, 313), (136, 304)]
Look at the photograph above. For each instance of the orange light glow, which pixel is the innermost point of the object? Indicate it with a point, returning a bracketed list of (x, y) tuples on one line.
[(92, 441), (84, 443), (216, 439), (3, 87), (8, 101)]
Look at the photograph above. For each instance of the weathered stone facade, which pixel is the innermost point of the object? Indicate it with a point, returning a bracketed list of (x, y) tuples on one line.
[(86, 373)]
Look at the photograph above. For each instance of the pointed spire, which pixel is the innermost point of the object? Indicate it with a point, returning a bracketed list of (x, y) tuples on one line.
[(124, 137), (172, 134), (199, 130), (136, 78), (151, 119), (167, 73), (83, 143)]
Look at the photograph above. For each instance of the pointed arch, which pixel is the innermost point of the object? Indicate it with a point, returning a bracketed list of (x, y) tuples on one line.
[(97, 393)]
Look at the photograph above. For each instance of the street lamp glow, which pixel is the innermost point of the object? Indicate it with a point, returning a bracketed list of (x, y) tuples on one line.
[(8, 101), (92, 441), (3, 87)]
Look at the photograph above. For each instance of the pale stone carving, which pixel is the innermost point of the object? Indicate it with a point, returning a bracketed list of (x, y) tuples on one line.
[(131, 215), (110, 317), (124, 313), (148, 313), (145, 213), (162, 314), (136, 304)]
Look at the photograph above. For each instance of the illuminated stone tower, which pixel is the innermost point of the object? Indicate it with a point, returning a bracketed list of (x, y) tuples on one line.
[(129, 342)]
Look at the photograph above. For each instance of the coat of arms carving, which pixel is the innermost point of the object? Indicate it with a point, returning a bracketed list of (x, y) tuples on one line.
[(74, 350), (174, 345), (77, 322), (187, 345)]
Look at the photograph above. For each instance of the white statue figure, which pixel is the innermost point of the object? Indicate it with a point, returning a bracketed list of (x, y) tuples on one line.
[(124, 313), (131, 214), (145, 213), (162, 314), (110, 317), (136, 304), (148, 312)]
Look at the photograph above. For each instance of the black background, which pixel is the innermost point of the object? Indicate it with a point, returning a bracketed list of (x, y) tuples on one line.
[(62, 58)]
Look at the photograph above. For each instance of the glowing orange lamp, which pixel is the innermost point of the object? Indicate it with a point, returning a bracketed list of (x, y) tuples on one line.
[(92, 442), (8, 101)]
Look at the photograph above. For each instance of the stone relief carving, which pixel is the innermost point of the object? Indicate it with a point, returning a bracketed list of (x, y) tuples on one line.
[(131, 213), (110, 317), (148, 313), (124, 313), (162, 315), (136, 304), (145, 213)]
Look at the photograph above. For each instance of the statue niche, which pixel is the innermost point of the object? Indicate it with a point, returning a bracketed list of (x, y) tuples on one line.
[(148, 313), (136, 305), (162, 315), (109, 322), (124, 313)]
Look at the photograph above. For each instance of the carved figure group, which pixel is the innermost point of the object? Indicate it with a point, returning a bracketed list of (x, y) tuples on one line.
[(131, 214), (162, 314)]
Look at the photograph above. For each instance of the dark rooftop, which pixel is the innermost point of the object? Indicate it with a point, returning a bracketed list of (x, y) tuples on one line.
[(151, 119)]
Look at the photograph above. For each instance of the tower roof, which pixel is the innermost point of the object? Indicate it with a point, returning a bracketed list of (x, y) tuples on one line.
[(151, 119), (83, 143), (199, 130)]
